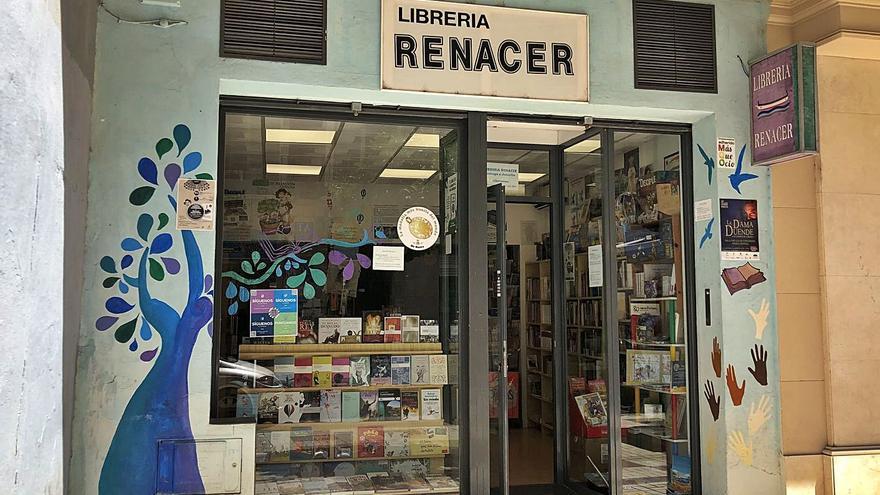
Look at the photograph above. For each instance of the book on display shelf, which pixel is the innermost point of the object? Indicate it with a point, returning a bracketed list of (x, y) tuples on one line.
[(360, 484), (306, 333), (266, 488), (359, 371), (328, 330), (246, 405), (343, 444), (350, 330), (371, 441), (321, 444), (282, 444), (429, 331), (289, 406), (409, 328), (409, 405), (396, 443), (418, 467), (374, 329), (341, 367), (393, 329), (331, 406), (442, 483), (284, 368), (431, 406), (290, 487), (315, 486), (388, 482), (389, 405), (310, 408), (429, 441), (322, 371), (302, 372), (400, 370), (380, 370), (420, 373), (267, 411), (438, 368), (338, 485), (351, 406), (369, 409)]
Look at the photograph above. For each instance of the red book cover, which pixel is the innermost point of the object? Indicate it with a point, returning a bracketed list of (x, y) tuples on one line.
[(371, 441), (634, 328), (302, 372)]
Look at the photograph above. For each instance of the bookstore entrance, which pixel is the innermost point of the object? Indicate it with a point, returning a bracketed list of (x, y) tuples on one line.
[(588, 340)]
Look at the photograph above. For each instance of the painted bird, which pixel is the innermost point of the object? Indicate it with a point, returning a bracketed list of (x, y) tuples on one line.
[(707, 234), (738, 177), (709, 161)]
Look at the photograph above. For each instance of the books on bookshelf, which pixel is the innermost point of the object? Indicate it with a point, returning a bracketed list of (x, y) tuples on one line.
[(322, 371), (331, 406), (429, 331), (351, 406), (341, 371), (409, 328), (400, 370), (371, 441), (380, 370), (431, 404), (420, 369), (359, 371), (409, 405), (373, 327), (389, 405), (302, 371), (438, 369), (393, 329)]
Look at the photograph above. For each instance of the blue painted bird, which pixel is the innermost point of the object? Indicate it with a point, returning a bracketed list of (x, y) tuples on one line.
[(380, 234), (738, 177), (707, 234), (709, 161)]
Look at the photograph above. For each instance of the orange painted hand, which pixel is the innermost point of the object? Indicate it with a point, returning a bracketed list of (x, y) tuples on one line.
[(736, 392), (716, 357)]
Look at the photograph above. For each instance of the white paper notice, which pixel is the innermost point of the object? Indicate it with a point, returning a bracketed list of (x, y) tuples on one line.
[(388, 258), (195, 204), (702, 210), (594, 264), (506, 174)]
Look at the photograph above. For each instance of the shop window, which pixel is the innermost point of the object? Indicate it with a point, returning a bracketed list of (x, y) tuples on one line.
[(280, 30), (337, 321), (674, 46)]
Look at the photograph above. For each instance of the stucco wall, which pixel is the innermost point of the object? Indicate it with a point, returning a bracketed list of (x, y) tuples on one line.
[(149, 80), (32, 164)]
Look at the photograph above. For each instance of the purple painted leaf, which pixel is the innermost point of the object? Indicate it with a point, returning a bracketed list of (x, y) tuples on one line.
[(147, 169), (105, 322), (117, 305), (172, 173), (337, 257), (161, 243), (364, 260), (172, 266), (209, 282), (148, 356), (348, 272), (129, 244)]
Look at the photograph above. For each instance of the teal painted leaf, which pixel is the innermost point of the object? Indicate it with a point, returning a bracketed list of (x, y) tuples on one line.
[(316, 259), (296, 280), (255, 256), (146, 332), (144, 225), (156, 270), (319, 277), (191, 162), (204, 176), (232, 310), (246, 267), (308, 291), (163, 220), (108, 265), (141, 195), (260, 266), (231, 290), (109, 282), (243, 294), (182, 135), (125, 331), (163, 146)]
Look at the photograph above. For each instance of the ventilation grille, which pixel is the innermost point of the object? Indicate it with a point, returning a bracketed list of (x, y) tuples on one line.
[(674, 45), (281, 30)]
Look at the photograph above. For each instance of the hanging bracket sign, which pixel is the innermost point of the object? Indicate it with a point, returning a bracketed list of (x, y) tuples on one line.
[(783, 100), (446, 47)]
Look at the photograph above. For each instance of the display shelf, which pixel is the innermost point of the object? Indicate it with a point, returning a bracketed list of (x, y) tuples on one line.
[(651, 344), (270, 351), (347, 425), (354, 459), (265, 390), (654, 389)]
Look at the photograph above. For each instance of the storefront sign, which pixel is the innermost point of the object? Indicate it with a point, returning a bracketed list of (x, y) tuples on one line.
[(418, 228), (783, 101), (195, 204), (739, 229), (445, 47), (506, 174), (274, 314)]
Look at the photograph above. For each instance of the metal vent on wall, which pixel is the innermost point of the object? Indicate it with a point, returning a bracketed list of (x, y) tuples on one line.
[(280, 30), (674, 46)]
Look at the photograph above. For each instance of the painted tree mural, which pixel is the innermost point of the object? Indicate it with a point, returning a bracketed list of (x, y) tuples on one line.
[(159, 408)]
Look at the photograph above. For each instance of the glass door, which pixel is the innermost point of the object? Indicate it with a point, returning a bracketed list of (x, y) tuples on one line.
[(498, 425)]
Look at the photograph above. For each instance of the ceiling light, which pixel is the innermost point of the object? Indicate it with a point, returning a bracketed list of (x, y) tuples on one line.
[(526, 177), (299, 136), (423, 141), (280, 168), (162, 3), (406, 173), (585, 146)]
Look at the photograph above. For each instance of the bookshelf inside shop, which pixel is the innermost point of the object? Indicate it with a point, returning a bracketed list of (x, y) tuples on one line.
[(539, 351), (512, 295)]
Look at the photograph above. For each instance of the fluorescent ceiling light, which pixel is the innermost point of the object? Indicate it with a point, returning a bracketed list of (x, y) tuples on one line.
[(406, 173), (280, 168), (526, 177), (162, 3), (299, 136), (423, 141), (585, 146)]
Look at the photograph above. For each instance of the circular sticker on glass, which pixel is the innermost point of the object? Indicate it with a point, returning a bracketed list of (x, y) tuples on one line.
[(418, 228)]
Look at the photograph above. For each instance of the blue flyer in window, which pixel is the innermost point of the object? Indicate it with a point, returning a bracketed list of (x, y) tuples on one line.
[(274, 314)]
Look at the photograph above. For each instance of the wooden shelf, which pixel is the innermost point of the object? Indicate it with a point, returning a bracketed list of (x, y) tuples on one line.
[(270, 351), (354, 459), (266, 390), (422, 423)]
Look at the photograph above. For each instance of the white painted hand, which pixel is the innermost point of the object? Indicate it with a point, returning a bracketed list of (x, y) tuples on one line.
[(738, 444), (759, 414), (760, 318)]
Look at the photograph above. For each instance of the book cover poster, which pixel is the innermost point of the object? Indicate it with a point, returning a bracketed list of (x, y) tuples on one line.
[(273, 313), (739, 229)]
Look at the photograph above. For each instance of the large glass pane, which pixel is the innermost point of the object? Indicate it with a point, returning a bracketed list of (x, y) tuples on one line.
[(653, 341), (586, 338), (338, 332)]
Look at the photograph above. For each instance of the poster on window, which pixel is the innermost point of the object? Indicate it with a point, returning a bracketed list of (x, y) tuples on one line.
[(274, 314), (195, 204), (739, 229)]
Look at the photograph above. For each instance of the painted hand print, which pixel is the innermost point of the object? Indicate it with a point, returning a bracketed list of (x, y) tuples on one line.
[(711, 447), (716, 357), (759, 414), (709, 161), (760, 318), (738, 176), (714, 402), (736, 391), (738, 445), (159, 408), (759, 358)]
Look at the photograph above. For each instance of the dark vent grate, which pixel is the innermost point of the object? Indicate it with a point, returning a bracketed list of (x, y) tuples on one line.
[(282, 30), (674, 46)]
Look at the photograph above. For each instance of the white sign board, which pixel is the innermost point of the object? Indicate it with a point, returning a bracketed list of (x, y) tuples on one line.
[(388, 258), (594, 265), (446, 47), (506, 174)]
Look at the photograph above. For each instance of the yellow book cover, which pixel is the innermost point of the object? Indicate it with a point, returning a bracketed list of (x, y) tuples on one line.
[(322, 371)]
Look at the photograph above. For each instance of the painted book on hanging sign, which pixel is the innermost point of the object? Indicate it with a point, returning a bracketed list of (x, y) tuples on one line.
[(351, 406), (341, 371), (409, 405), (331, 406), (439, 371), (371, 441), (431, 406), (369, 405), (281, 445), (359, 371), (396, 443), (373, 332), (420, 370), (410, 328), (302, 372), (393, 329), (322, 371), (380, 370), (389, 405), (429, 331), (400, 370)]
